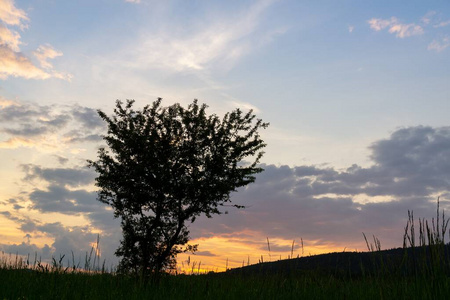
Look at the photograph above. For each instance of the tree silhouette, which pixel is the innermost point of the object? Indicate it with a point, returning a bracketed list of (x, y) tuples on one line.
[(165, 166)]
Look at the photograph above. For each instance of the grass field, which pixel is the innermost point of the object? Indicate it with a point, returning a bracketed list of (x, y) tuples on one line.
[(419, 270), (26, 284)]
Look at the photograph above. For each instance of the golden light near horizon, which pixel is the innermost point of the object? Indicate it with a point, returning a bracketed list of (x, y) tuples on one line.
[(217, 254)]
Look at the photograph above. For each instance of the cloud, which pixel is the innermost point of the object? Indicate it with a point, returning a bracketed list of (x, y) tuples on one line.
[(9, 38), (67, 240), (14, 63), (441, 45), (351, 28), (244, 105), (395, 27), (327, 207), (63, 192), (435, 19), (14, 143), (219, 43), (133, 1), (204, 253), (60, 199), (72, 177), (332, 207), (428, 17), (26, 249), (78, 240), (62, 160), (88, 117), (442, 24), (33, 125), (5, 102), (432, 19), (31, 120), (45, 52), (11, 15)]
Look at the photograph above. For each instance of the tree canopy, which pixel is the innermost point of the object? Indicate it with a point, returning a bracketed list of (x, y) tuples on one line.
[(165, 166)]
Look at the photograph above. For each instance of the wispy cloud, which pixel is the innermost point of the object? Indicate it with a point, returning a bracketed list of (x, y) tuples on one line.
[(133, 1), (394, 26), (220, 43), (434, 18), (428, 17), (442, 24), (45, 52), (244, 105), (439, 45)]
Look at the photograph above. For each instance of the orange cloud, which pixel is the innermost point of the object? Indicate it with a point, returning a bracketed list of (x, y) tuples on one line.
[(16, 64), (12, 15), (12, 62), (13, 143), (45, 52), (401, 30), (5, 102), (441, 45), (9, 38)]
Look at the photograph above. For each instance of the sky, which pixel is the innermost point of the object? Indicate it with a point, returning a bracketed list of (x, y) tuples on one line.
[(357, 94)]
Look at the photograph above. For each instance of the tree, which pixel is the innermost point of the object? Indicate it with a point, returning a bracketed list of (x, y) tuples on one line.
[(164, 167)]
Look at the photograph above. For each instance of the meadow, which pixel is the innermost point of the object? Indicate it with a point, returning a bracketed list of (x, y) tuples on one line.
[(419, 270)]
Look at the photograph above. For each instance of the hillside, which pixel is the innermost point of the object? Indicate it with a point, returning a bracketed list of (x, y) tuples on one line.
[(356, 263)]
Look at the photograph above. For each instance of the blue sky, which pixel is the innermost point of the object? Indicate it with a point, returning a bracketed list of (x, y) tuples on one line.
[(344, 84)]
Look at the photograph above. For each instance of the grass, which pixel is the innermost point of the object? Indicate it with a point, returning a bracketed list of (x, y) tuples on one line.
[(421, 270)]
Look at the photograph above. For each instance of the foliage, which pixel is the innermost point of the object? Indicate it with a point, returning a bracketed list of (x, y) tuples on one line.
[(165, 166)]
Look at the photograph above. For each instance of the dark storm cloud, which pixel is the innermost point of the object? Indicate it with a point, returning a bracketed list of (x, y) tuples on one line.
[(73, 177), (327, 205)]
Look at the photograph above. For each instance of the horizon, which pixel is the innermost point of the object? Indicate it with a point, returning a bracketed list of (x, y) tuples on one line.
[(357, 96)]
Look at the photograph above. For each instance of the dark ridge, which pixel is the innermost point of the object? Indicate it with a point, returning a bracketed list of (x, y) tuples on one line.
[(393, 261)]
